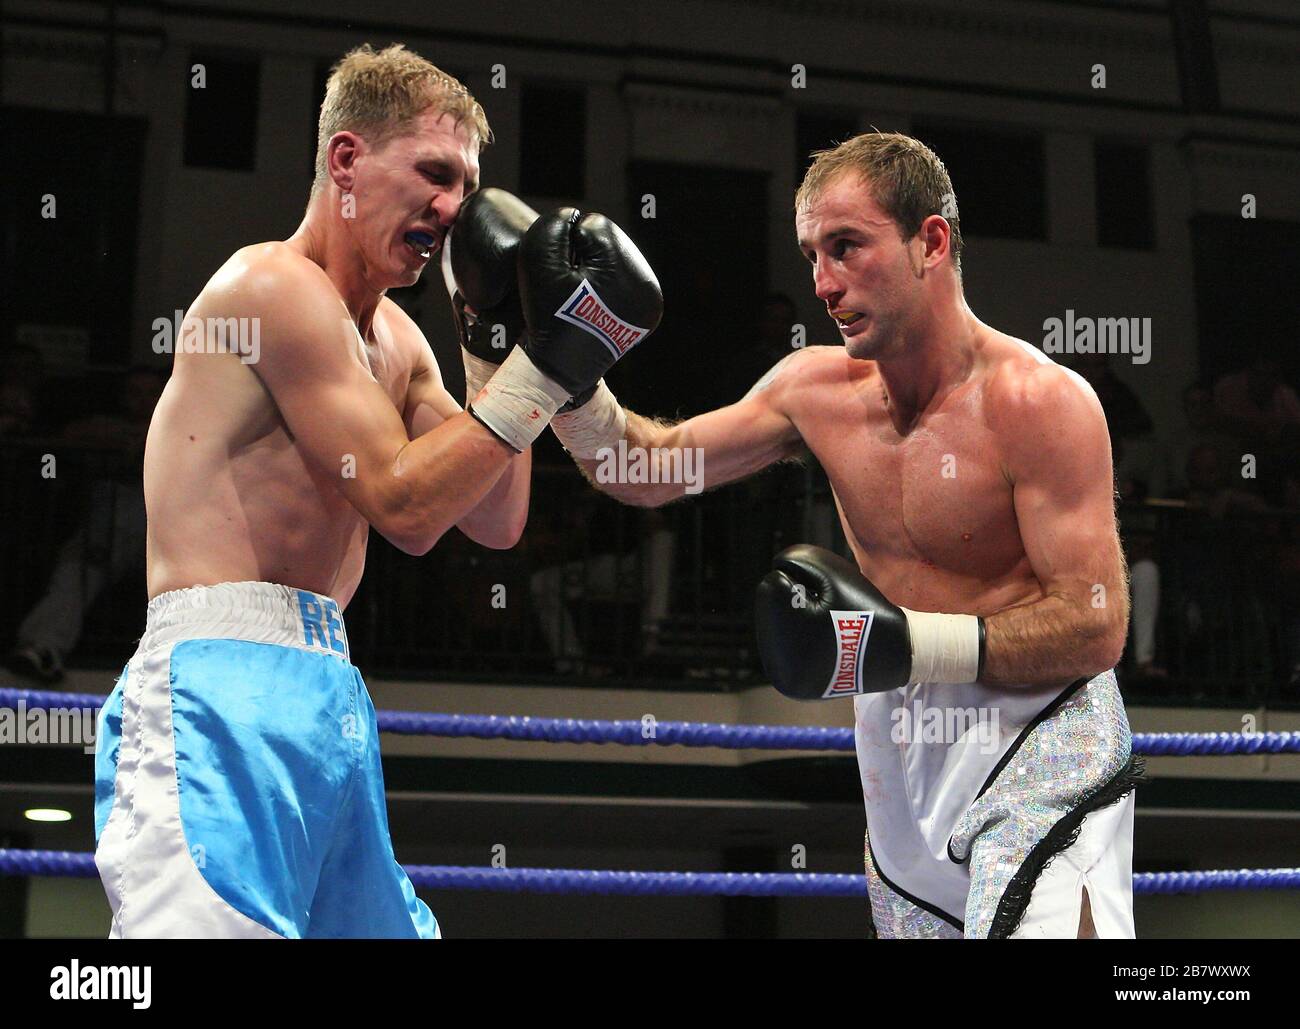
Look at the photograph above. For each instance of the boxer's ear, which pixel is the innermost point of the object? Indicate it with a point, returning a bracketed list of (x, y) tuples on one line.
[(341, 157)]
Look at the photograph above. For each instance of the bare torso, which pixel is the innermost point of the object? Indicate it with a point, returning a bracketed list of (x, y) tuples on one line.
[(229, 495), (929, 512)]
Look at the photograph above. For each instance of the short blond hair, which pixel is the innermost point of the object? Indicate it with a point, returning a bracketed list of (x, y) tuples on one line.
[(378, 93), (905, 177)]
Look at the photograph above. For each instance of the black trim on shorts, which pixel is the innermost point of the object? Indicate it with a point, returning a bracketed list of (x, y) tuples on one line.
[(956, 923), (1048, 710), (1020, 890)]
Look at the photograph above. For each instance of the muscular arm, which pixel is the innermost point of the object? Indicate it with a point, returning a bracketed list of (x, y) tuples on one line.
[(1057, 456), (499, 518), (731, 443), (341, 419)]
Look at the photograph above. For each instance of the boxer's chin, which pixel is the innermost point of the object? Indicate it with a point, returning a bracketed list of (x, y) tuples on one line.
[(862, 347), (406, 275)]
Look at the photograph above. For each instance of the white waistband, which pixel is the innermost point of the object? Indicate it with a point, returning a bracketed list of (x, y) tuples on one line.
[(258, 611)]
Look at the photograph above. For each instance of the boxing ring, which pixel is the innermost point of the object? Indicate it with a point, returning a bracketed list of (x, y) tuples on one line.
[(636, 733)]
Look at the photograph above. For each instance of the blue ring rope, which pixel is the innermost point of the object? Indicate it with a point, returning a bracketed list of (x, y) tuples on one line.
[(644, 733), (674, 884)]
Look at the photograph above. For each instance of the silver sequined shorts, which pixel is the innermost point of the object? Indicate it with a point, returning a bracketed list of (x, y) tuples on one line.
[(1044, 831)]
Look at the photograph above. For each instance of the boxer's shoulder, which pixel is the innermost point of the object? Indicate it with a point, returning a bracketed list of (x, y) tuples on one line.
[(1026, 390), (813, 366), (294, 303), (273, 277), (828, 361)]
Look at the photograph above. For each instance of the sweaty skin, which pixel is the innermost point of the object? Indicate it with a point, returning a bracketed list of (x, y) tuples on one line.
[(275, 470), (971, 473)]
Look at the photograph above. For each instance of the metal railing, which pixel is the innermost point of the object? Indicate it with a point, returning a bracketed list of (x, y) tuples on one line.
[(600, 593), (1228, 618)]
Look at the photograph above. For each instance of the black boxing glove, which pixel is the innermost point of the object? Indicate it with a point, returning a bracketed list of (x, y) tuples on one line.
[(479, 267), (581, 399), (825, 631), (588, 295)]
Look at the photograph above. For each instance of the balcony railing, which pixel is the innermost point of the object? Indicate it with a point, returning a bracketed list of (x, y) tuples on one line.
[(601, 594)]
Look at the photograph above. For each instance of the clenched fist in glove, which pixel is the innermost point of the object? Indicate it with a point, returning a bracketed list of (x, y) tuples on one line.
[(588, 296), (480, 265), (825, 631)]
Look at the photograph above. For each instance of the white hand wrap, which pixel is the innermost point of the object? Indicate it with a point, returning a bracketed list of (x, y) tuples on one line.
[(477, 373), (517, 403), (597, 425), (945, 648)]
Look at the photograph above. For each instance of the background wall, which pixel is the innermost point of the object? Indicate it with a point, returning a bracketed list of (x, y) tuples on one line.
[(711, 85), (710, 108)]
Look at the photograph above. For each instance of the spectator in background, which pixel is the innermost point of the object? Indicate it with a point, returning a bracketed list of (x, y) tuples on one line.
[(1255, 403), (1201, 428), (1144, 588), (1133, 445), (1223, 597), (1258, 406), (1138, 473), (108, 541), (1125, 416), (1199, 431), (17, 410), (571, 575), (1214, 488), (22, 370)]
